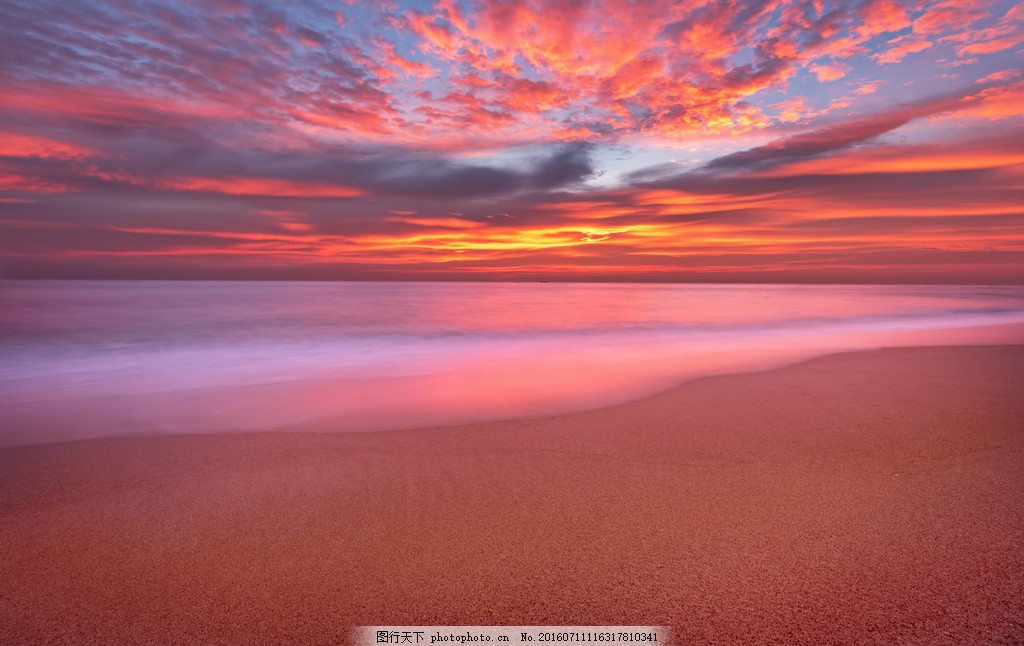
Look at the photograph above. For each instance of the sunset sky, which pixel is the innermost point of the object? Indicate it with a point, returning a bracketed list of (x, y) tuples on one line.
[(746, 141)]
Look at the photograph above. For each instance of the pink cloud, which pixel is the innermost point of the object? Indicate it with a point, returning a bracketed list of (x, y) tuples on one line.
[(832, 72), (899, 52)]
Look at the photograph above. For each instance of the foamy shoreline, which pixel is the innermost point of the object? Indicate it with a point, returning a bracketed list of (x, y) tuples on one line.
[(108, 358), (512, 388)]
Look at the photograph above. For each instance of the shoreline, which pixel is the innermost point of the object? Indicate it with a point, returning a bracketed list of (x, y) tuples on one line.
[(447, 399), (871, 495)]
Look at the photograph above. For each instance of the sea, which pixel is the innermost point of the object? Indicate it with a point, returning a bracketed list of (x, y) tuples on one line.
[(89, 359)]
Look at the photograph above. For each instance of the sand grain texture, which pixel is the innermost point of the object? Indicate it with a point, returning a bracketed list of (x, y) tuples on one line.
[(868, 498)]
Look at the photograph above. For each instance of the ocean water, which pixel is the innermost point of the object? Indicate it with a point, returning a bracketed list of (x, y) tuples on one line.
[(82, 359)]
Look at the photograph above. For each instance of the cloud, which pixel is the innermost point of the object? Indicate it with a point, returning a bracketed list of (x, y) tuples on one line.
[(831, 138), (832, 72), (569, 165), (242, 138), (948, 15), (992, 46), (899, 52), (496, 74), (407, 174), (1000, 77)]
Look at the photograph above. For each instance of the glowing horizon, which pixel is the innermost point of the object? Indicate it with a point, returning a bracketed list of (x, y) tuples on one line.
[(875, 141)]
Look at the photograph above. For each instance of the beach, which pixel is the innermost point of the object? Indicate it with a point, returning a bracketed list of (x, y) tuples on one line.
[(867, 497)]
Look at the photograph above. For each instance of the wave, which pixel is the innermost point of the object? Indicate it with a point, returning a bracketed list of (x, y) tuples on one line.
[(110, 368), (116, 360)]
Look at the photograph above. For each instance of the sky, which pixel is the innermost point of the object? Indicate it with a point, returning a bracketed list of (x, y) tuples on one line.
[(629, 140)]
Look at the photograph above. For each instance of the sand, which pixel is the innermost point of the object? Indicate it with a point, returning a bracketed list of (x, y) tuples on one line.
[(873, 497)]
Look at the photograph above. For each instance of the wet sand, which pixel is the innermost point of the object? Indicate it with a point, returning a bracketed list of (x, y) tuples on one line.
[(873, 497)]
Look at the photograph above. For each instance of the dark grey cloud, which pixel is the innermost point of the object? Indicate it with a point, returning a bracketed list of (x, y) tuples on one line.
[(569, 165), (412, 174), (164, 153)]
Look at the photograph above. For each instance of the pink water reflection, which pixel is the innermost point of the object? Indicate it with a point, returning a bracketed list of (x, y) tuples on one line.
[(450, 359)]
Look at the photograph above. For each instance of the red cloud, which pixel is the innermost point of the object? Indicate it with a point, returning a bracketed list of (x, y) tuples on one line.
[(258, 186), (13, 144)]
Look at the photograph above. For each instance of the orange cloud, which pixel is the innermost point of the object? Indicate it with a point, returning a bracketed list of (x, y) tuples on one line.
[(904, 159), (792, 110), (996, 102)]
